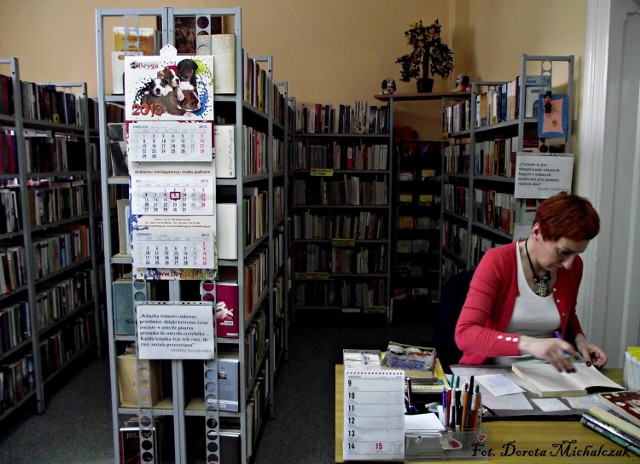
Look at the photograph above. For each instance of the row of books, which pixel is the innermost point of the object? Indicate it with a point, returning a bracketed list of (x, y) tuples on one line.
[(455, 199), (420, 174), (617, 417), (15, 325), (349, 190), (254, 206), (254, 155), (63, 298), (256, 342), (359, 118), (58, 201), (61, 347), (495, 209), (59, 251), (279, 207), (499, 103), (13, 274), (256, 281), (457, 157), (358, 261), (418, 222), (17, 380), (342, 293), (418, 245), (365, 225), (255, 83), (455, 237), (256, 410), (10, 211), (340, 155), (423, 199), (325, 259), (46, 102)]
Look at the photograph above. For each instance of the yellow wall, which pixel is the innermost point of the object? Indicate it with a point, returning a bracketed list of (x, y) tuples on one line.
[(330, 51)]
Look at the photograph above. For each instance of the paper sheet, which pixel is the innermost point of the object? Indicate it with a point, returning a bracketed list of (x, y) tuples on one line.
[(427, 421)]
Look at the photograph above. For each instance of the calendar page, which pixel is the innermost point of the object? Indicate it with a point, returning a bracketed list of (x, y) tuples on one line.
[(177, 141), (173, 242), (373, 415), (168, 87), (168, 189)]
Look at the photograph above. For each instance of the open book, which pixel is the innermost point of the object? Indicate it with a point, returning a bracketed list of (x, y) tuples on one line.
[(547, 382)]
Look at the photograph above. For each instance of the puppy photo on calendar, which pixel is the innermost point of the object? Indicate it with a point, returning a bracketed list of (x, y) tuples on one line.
[(176, 87)]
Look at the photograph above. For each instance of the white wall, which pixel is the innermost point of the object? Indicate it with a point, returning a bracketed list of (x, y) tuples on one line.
[(609, 174)]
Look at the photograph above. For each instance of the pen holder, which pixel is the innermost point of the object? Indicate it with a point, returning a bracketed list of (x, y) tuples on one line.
[(446, 445)]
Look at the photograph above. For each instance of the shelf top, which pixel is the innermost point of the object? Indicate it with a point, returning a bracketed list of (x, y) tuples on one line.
[(422, 96)]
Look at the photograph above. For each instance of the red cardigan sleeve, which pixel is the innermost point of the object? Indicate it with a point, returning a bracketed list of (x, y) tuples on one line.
[(489, 307)]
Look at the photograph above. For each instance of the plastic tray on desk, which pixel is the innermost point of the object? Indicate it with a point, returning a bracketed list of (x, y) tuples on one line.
[(446, 445)]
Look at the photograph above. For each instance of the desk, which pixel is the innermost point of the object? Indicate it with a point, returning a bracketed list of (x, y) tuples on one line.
[(526, 437)]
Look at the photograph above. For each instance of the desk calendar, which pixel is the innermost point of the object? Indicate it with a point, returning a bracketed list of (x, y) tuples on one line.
[(373, 415), (171, 141), (167, 189)]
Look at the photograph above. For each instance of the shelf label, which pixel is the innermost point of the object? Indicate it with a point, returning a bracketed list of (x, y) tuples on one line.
[(317, 276), (375, 309), (321, 172), (343, 242), (351, 310)]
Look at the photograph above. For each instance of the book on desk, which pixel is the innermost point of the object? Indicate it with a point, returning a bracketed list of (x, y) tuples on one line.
[(547, 382)]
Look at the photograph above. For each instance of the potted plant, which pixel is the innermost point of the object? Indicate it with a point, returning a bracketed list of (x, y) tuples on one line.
[(430, 56)]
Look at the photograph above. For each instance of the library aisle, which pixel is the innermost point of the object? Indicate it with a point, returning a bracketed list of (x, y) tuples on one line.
[(76, 428)]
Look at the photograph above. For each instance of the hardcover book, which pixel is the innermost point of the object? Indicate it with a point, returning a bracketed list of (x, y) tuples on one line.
[(547, 382), (604, 413), (625, 403), (227, 308), (224, 142), (228, 383), (611, 432)]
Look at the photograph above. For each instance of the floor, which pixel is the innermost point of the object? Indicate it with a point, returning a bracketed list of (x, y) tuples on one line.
[(76, 427)]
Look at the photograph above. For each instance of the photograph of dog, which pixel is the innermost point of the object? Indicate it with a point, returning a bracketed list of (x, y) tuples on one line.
[(177, 89)]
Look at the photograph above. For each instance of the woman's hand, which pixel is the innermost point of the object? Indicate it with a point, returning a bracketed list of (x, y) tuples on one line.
[(591, 353), (556, 352)]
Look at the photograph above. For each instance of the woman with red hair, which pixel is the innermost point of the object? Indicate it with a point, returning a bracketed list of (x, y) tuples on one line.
[(522, 298)]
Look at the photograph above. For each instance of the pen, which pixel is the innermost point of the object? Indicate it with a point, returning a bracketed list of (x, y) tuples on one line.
[(458, 410), (559, 336), (474, 411), (465, 407), (444, 406)]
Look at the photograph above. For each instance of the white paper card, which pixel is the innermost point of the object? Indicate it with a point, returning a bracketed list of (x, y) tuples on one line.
[(178, 141), (542, 176), (182, 330)]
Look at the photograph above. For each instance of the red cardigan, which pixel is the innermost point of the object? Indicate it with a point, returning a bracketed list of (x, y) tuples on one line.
[(487, 311)]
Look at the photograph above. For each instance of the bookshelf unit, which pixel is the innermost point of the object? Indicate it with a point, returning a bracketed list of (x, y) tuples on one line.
[(416, 199), (479, 160), (50, 283), (416, 267), (195, 420), (341, 187)]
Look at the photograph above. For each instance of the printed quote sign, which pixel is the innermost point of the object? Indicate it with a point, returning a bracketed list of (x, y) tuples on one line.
[(542, 175), (175, 330)]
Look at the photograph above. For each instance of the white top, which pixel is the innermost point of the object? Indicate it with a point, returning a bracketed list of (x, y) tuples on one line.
[(533, 315)]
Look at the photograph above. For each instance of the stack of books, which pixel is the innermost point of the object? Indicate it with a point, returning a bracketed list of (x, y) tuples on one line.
[(616, 417)]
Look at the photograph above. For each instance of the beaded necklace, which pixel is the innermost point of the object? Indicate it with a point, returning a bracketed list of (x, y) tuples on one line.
[(541, 283)]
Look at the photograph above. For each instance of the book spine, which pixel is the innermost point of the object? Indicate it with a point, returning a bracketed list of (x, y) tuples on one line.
[(610, 432)]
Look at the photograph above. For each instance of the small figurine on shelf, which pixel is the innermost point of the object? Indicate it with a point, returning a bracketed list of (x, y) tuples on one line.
[(388, 87), (463, 83)]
